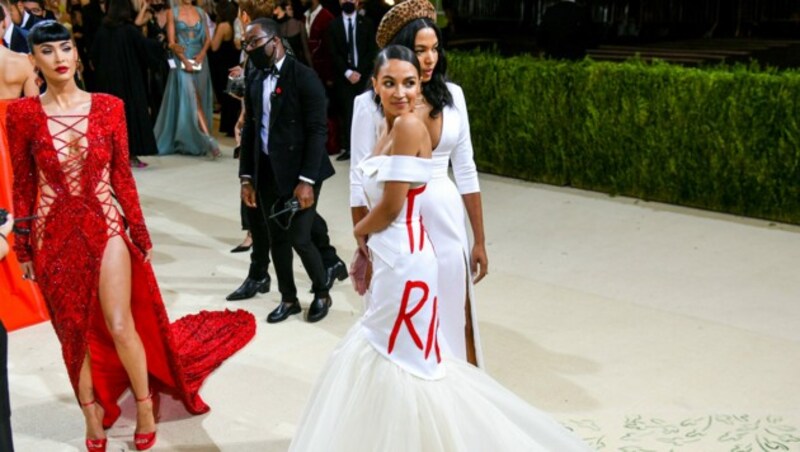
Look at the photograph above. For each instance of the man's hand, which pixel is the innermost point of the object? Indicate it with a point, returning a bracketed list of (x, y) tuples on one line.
[(248, 194), (235, 71), (354, 77), (304, 193)]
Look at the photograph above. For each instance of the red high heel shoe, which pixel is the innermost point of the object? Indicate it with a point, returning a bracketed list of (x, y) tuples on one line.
[(94, 445), (144, 441)]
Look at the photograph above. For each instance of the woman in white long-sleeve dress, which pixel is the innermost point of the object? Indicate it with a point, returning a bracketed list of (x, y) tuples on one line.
[(443, 109), (387, 387)]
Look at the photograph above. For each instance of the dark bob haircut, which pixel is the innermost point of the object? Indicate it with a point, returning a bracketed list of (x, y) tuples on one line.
[(47, 31), (435, 91)]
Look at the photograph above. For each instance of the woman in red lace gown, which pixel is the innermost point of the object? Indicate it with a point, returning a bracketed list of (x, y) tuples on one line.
[(69, 152)]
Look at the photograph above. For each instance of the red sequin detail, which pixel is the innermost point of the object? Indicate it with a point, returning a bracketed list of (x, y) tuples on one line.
[(73, 173)]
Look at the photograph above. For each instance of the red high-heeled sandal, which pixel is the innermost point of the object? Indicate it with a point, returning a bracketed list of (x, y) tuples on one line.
[(94, 445), (144, 441)]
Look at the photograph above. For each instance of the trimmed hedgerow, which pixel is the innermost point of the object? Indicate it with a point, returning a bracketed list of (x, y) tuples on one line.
[(724, 139)]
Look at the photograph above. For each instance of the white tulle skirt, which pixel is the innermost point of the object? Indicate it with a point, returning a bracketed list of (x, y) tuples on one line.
[(363, 402)]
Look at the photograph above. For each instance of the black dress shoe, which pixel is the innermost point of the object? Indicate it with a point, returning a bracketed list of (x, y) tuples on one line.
[(241, 248), (332, 273), (249, 288), (336, 271), (283, 311), (343, 156), (319, 309)]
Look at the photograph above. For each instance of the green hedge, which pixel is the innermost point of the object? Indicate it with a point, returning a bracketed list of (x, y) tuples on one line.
[(725, 139)]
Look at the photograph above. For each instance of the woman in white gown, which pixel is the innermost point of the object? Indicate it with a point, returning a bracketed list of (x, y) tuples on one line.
[(443, 109), (387, 387)]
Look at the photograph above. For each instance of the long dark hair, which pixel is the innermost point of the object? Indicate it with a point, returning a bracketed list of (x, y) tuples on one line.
[(119, 12), (435, 91), (47, 31)]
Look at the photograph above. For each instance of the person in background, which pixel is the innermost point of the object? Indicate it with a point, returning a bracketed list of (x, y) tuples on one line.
[(14, 37), (183, 125), (6, 440), (351, 40), (283, 158), (153, 17), (224, 55), (120, 56), (293, 31)]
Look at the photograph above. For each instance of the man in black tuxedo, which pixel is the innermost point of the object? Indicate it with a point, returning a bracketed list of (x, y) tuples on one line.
[(14, 38), (353, 50), (33, 11), (283, 157)]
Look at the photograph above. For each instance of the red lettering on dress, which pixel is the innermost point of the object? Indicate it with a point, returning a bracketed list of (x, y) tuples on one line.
[(433, 338), (405, 317), (412, 194)]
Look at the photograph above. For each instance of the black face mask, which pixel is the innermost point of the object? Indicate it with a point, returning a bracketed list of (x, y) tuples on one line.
[(348, 8), (260, 58), (34, 18)]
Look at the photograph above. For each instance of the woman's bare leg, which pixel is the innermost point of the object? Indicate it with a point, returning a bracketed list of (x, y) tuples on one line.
[(201, 116), (469, 334), (115, 300), (93, 412)]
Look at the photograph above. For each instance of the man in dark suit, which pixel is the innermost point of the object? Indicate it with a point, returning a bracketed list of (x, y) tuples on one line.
[(283, 158), (33, 11), (14, 38), (353, 50)]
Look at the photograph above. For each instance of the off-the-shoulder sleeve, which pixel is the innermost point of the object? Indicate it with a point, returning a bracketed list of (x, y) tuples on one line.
[(462, 157), (363, 136), (405, 168), (122, 181), (25, 174)]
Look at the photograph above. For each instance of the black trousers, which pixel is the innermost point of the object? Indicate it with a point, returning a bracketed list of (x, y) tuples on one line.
[(346, 94), (297, 237), (6, 444), (259, 255)]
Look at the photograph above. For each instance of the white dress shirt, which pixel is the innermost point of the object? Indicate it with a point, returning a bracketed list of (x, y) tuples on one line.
[(269, 84), (351, 18), (311, 16), (8, 34)]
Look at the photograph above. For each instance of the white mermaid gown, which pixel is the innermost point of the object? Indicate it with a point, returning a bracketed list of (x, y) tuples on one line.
[(442, 209), (388, 387)]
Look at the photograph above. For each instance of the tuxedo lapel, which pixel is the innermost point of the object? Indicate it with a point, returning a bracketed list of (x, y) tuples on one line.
[(257, 96), (277, 97)]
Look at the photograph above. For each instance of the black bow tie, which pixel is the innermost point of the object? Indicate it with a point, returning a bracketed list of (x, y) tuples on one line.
[(272, 70)]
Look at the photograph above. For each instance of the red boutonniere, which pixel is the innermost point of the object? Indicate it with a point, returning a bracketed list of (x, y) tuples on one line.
[(277, 92)]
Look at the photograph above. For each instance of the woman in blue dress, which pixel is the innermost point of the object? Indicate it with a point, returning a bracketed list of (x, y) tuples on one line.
[(183, 121)]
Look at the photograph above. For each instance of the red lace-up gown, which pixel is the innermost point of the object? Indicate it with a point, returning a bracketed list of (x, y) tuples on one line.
[(72, 172)]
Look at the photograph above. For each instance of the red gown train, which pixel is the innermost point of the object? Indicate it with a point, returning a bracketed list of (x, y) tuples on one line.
[(74, 183)]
